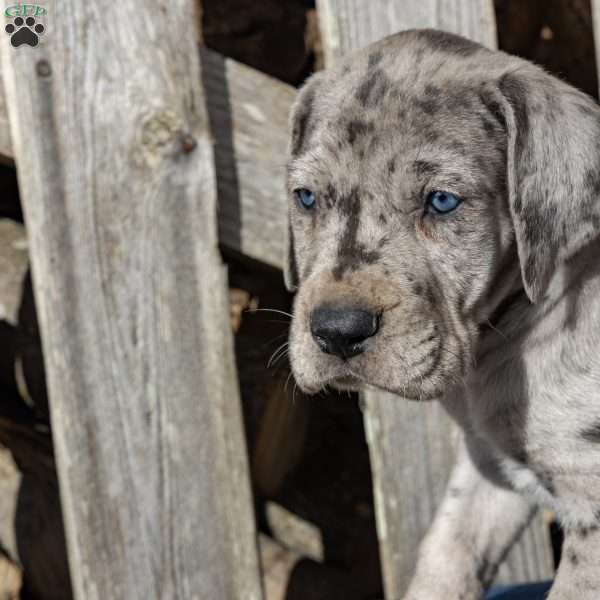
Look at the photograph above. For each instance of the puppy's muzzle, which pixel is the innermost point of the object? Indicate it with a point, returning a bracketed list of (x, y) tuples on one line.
[(343, 330)]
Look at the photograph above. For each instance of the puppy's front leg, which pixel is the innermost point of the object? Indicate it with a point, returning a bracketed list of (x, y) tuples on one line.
[(579, 570), (475, 526)]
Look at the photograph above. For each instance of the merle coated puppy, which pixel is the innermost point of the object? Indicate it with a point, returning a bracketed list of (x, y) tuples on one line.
[(444, 241)]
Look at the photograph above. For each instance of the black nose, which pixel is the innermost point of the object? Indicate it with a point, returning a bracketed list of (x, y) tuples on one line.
[(342, 330)]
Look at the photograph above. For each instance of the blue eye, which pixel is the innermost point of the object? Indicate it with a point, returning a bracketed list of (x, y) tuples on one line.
[(442, 202), (306, 198)]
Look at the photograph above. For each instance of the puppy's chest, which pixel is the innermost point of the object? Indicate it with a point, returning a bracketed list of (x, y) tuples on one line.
[(541, 416)]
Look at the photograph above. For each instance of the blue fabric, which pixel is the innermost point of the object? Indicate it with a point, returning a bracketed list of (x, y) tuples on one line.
[(531, 591)]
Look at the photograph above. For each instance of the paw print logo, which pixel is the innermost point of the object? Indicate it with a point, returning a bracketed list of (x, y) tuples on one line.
[(24, 31)]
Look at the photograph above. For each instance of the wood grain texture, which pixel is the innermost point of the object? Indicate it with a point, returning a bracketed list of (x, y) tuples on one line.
[(6, 151), (248, 113), (111, 139), (595, 8), (412, 446), (350, 24)]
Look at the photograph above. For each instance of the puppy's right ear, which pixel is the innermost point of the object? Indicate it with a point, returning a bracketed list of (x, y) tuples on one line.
[(553, 171), (301, 125)]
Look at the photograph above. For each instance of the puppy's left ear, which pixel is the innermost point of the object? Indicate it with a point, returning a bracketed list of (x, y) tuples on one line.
[(553, 171), (290, 270), (301, 126)]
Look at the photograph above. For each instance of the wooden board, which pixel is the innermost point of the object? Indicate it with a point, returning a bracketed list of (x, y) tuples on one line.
[(595, 8), (115, 162), (248, 113), (6, 151), (412, 446), (350, 24)]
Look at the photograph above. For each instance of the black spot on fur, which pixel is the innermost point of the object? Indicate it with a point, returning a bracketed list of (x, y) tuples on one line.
[(592, 181), (418, 289), (584, 532), (391, 166), (425, 168), (434, 355), (373, 88), (573, 558), (382, 219), (351, 253), (591, 433), (375, 58), (490, 102), (357, 129), (431, 135), (432, 90), (429, 102), (488, 125), (430, 296), (302, 126), (330, 196)]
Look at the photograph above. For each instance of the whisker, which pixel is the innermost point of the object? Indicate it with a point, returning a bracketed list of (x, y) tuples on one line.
[(277, 362), (274, 339), (281, 351), (273, 310), (287, 381)]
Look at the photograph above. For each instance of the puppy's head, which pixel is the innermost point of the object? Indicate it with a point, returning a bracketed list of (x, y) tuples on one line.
[(429, 179)]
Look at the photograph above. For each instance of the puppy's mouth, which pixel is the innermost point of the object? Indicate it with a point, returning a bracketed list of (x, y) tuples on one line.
[(347, 383)]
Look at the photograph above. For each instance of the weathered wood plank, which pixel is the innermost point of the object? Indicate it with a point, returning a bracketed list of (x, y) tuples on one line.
[(350, 24), (6, 151), (111, 139), (412, 446), (595, 8), (248, 114)]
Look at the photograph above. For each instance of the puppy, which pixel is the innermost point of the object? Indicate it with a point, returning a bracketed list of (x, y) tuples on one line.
[(444, 209)]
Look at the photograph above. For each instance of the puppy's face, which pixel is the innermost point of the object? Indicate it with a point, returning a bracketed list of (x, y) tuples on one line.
[(403, 239)]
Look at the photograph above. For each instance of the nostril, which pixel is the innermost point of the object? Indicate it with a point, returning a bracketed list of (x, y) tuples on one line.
[(342, 330), (321, 342)]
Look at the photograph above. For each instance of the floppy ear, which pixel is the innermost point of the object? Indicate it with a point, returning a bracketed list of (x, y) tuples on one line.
[(553, 171), (301, 125), (290, 269)]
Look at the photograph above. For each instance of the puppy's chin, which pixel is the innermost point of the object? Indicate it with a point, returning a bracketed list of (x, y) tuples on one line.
[(420, 392)]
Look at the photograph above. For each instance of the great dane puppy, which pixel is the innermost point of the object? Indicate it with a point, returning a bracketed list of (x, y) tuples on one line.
[(444, 204)]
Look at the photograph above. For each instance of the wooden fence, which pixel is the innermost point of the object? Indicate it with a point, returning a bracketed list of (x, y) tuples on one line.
[(111, 127)]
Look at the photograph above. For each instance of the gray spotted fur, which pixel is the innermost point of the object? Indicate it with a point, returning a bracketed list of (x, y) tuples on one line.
[(493, 309)]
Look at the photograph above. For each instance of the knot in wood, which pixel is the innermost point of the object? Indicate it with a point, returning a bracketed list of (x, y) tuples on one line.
[(43, 68), (158, 134), (188, 143)]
